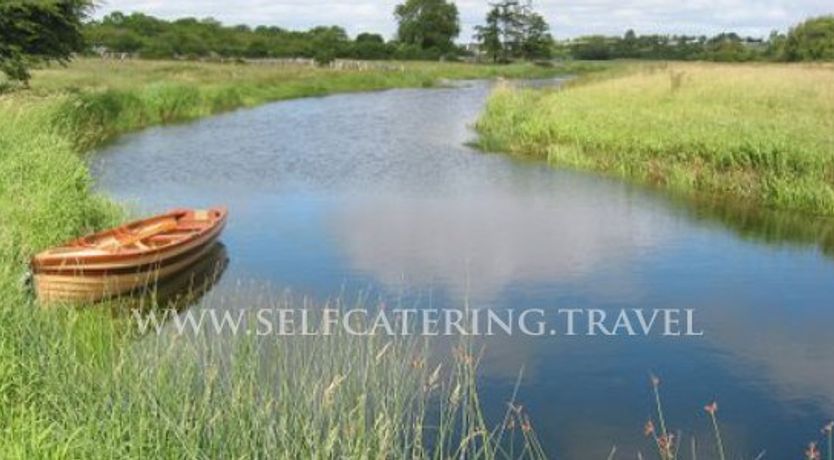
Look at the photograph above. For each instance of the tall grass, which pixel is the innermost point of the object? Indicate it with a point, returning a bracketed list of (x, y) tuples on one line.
[(75, 383), (763, 133), (73, 386)]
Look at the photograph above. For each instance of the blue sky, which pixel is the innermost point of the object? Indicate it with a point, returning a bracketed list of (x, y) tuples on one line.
[(569, 18)]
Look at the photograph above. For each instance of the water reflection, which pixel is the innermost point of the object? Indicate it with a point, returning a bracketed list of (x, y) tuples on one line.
[(763, 225), (184, 290), (494, 240), (792, 360)]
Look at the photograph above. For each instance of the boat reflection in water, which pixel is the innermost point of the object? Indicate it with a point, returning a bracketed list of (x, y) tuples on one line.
[(181, 291)]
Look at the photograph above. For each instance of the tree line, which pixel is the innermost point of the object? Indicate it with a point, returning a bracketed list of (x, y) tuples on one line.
[(33, 31), (427, 29), (811, 40), (149, 37)]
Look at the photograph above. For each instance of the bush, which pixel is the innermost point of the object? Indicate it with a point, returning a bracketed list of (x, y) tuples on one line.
[(324, 57)]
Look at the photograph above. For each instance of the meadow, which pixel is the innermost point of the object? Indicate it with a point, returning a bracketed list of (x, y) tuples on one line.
[(74, 383), (758, 133)]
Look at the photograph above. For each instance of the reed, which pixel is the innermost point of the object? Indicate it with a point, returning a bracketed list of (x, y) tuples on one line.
[(762, 133), (76, 384)]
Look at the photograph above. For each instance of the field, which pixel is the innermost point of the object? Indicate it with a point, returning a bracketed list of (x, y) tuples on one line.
[(71, 383), (763, 133)]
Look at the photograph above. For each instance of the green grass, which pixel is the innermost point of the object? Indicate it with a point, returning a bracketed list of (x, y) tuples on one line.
[(73, 387), (759, 133), (75, 384)]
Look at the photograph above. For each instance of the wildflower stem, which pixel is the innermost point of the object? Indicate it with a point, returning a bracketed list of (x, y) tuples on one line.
[(660, 417), (718, 436)]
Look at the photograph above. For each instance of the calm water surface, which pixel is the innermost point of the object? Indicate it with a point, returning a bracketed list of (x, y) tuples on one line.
[(378, 192)]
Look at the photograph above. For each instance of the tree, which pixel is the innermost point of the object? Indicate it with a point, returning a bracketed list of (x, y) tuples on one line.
[(727, 47), (813, 40), (538, 43), (775, 45), (489, 35), (328, 43), (514, 30), (629, 46), (428, 24), (367, 37), (34, 31), (592, 48), (371, 46)]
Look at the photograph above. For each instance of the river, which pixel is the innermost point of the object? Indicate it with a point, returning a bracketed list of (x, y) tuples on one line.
[(379, 192)]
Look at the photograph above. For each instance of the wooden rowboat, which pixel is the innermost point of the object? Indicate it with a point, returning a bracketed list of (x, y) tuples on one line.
[(126, 258)]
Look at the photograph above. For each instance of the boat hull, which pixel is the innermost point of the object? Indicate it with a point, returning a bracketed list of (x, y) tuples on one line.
[(79, 279)]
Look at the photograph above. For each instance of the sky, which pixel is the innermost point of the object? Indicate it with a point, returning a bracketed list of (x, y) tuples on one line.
[(568, 18)]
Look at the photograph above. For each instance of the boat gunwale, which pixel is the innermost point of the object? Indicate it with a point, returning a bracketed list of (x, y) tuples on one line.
[(155, 264), (46, 261), (137, 261)]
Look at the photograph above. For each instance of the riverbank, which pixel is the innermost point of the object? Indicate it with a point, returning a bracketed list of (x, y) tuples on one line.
[(46, 187), (72, 384), (760, 133)]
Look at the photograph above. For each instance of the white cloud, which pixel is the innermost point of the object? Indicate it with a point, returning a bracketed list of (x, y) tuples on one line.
[(568, 17)]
